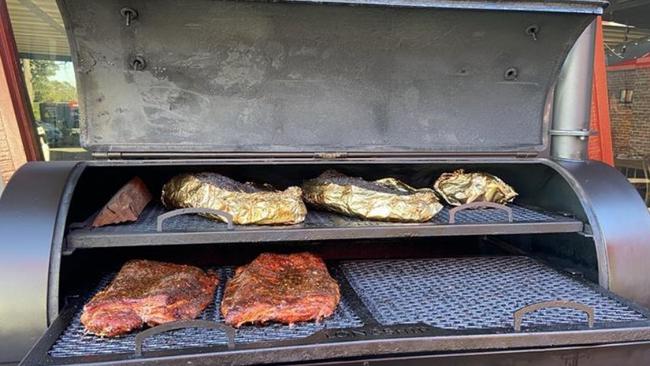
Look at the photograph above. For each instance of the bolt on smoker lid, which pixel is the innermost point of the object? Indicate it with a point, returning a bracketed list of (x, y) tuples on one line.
[(305, 77)]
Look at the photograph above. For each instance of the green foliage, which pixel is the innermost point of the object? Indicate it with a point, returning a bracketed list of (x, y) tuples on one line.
[(56, 91), (42, 71), (45, 89), (36, 111)]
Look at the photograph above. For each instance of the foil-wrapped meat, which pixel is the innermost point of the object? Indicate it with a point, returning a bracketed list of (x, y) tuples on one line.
[(246, 202), (385, 199), (459, 188)]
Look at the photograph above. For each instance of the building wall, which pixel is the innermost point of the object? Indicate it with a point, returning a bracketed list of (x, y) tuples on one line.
[(630, 122), (12, 154)]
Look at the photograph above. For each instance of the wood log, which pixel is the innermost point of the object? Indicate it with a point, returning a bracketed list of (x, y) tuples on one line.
[(126, 205)]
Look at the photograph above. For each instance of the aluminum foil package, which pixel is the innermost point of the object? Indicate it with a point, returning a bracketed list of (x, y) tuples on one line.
[(459, 188), (246, 202), (386, 199)]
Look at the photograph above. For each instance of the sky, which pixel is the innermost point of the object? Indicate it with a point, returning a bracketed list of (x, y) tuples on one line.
[(65, 72)]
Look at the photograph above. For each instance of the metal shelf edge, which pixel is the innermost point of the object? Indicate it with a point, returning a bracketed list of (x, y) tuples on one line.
[(80, 239)]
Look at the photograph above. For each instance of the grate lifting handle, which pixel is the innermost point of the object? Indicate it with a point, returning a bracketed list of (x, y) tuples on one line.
[(194, 210), (518, 315), (183, 324), (475, 205)]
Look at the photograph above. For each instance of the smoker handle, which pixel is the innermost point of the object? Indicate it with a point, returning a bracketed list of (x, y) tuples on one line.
[(518, 315), (474, 205), (194, 210), (182, 324)]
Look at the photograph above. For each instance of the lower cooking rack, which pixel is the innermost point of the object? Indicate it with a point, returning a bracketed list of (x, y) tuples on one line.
[(157, 226), (382, 299), (75, 342)]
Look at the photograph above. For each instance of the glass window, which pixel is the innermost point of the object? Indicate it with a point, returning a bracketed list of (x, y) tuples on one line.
[(49, 76)]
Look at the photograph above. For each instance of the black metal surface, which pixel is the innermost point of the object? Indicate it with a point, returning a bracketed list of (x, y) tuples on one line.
[(358, 79), (627, 354), (189, 229), (575, 6), (74, 341), (631, 12), (31, 209), (474, 293), (587, 185), (621, 227), (450, 293)]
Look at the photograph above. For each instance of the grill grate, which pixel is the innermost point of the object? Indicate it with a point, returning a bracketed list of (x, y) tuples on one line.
[(466, 293), (452, 293), (200, 229), (314, 219), (483, 216), (74, 342)]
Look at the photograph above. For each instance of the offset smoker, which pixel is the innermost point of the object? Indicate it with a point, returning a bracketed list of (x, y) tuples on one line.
[(279, 93)]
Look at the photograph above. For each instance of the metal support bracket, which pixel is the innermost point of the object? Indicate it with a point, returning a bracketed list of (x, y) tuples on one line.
[(183, 324), (518, 315), (581, 134), (478, 205), (194, 210)]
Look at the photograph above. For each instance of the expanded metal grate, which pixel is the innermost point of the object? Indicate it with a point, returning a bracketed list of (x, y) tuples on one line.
[(452, 293), (315, 219), (75, 342), (465, 293), (486, 216)]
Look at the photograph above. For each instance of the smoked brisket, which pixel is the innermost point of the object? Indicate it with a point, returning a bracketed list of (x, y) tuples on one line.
[(148, 292), (280, 288)]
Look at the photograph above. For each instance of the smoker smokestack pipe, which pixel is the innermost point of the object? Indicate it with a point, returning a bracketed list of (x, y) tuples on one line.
[(572, 101)]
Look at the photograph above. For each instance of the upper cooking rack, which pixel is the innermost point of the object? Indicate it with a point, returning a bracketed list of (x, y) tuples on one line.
[(154, 229)]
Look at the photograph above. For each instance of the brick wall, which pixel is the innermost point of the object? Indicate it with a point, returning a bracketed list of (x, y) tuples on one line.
[(12, 154), (630, 122), (594, 152), (7, 166)]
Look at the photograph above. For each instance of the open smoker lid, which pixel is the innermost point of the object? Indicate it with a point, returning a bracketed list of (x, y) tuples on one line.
[(306, 77)]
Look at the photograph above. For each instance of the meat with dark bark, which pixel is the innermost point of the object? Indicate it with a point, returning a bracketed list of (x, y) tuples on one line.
[(148, 292), (126, 205), (280, 288)]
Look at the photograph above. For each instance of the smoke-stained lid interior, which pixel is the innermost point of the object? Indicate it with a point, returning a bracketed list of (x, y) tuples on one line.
[(230, 77)]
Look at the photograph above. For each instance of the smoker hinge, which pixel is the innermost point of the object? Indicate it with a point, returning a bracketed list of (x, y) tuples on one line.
[(525, 155), (330, 155), (107, 155)]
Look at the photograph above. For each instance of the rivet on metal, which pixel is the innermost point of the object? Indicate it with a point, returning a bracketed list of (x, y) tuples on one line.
[(511, 73), (533, 31), (129, 14), (138, 63)]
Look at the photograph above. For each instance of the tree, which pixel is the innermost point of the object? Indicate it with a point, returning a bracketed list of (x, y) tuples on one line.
[(57, 91), (45, 89)]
